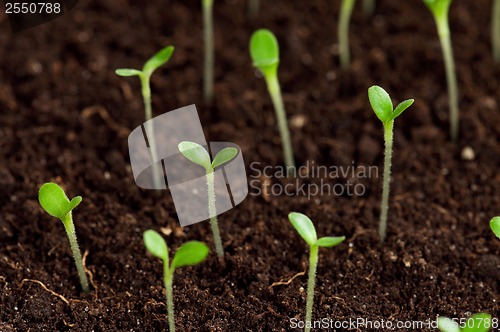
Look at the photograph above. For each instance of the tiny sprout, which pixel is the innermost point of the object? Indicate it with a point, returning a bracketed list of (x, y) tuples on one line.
[(343, 32), (190, 253), (55, 202), (264, 50), (304, 226), (382, 106), (440, 9), (477, 323), (208, 37), (495, 30), (158, 60), (495, 226), (199, 155)]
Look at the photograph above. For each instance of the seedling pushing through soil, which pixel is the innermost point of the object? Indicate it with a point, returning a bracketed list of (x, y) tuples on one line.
[(440, 9), (55, 202), (346, 8), (264, 50), (190, 253), (382, 106), (495, 30), (208, 37), (477, 323), (304, 226), (158, 60), (495, 226), (198, 155)]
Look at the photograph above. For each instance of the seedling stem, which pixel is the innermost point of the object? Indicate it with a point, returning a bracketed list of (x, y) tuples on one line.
[(69, 226), (343, 32), (313, 265), (495, 30), (208, 37), (253, 8), (369, 7), (386, 187)]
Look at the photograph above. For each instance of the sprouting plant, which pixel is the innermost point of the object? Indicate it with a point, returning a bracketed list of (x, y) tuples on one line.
[(190, 253), (369, 6), (481, 322), (304, 226), (495, 30), (144, 75), (495, 226), (343, 32), (208, 37), (382, 106), (198, 155), (55, 202), (264, 50), (253, 8), (440, 9)]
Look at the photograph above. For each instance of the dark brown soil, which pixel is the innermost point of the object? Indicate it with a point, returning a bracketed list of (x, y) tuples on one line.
[(65, 117)]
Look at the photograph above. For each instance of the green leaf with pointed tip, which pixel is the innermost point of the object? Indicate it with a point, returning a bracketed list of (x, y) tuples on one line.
[(128, 72), (225, 155), (329, 241), (402, 106), (495, 226), (477, 323), (381, 103), (158, 60), (54, 201), (190, 253), (304, 227), (438, 7), (75, 202), (265, 53), (195, 153), (447, 325), (155, 244)]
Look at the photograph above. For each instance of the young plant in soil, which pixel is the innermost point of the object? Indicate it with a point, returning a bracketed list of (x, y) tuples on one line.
[(495, 226), (495, 30), (369, 6), (382, 106), (264, 50), (208, 37), (55, 202), (346, 8), (190, 253), (198, 155), (477, 323), (158, 60), (440, 9), (304, 226)]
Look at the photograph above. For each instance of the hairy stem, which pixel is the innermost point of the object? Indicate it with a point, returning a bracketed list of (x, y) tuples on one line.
[(168, 280), (384, 208), (313, 264), (343, 32), (77, 256), (369, 7), (253, 8), (212, 212), (495, 30), (208, 36), (275, 91)]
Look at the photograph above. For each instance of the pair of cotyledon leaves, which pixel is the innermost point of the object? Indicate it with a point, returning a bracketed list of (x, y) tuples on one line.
[(55, 202), (306, 230), (382, 104), (150, 66), (199, 155)]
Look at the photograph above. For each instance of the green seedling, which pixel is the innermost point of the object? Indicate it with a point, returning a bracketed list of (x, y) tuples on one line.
[(198, 155), (253, 8), (477, 323), (369, 6), (158, 60), (440, 9), (495, 30), (264, 50), (190, 253), (304, 226), (55, 202), (382, 106), (208, 37), (346, 8), (495, 226)]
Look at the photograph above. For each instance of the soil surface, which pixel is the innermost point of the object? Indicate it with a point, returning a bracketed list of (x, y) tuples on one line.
[(65, 117)]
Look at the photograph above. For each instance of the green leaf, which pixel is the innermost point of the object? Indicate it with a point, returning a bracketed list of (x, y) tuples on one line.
[(381, 103), (495, 226), (402, 106), (158, 60), (304, 227), (328, 241), (264, 50), (195, 153), (54, 201), (477, 323), (225, 155), (156, 245), (447, 325), (128, 72), (190, 253), (438, 8)]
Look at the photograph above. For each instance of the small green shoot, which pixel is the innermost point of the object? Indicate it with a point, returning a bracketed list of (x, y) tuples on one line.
[(440, 9), (346, 8), (253, 8), (495, 30), (199, 155), (481, 322), (382, 106), (208, 37), (158, 60), (55, 202), (369, 7), (304, 226), (190, 253), (264, 50), (495, 226)]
